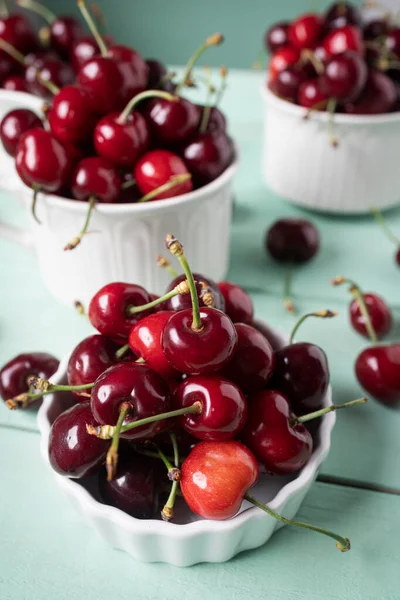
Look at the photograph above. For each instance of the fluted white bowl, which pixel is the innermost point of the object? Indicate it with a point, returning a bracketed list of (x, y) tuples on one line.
[(189, 540)]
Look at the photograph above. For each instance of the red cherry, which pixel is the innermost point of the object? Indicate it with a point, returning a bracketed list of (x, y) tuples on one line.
[(138, 385), (207, 155), (238, 304), (109, 309), (16, 31), (101, 78), (341, 14), (156, 168), (310, 95), (157, 71), (14, 83), (271, 433), (14, 124), (282, 59), (14, 375), (95, 176), (215, 478), (378, 371), (270, 335), (287, 83), (172, 122), (73, 452), (216, 120), (379, 312), (305, 31), (52, 70), (84, 49), (277, 36), (344, 77), (292, 240), (224, 408), (134, 71), (379, 96), (70, 117), (344, 39), (64, 32), (182, 301)]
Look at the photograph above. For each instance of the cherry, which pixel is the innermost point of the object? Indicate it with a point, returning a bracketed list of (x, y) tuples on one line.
[(253, 361), (378, 370), (158, 168), (379, 96), (269, 334), (216, 120), (183, 301), (84, 49), (141, 388), (134, 488), (286, 84), (277, 36), (305, 31), (207, 156), (392, 41), (341, 14), (282, 59), (345, 76), (14, 124), (344, 39), (70, 117), (379, 313), (375, 29), (16, 31), (73, 452), (101, 78), (310, 95), (223, 407), (292, 240), (51, 70), (172, 122), (238, 304), (109, 309), (134, 70), (157, 72), (15, 83), (95, 176), (15, 374), (7, 66)]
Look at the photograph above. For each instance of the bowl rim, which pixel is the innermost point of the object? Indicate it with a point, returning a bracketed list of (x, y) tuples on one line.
[(295, 110), (203, 526)]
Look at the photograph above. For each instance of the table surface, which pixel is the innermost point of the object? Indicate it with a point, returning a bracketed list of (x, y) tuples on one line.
[(47, 552)]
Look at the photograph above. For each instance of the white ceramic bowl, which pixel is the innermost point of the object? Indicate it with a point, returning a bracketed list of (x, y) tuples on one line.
[(189, 540), (300, 164)]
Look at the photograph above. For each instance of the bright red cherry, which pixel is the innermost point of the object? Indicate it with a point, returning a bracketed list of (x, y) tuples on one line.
[(138, 385), (310, 95), (172, 122), (281, 444), (52, 70), (277, 36), (182, 301), (215, 478), (341, 14), (224, 408), (96, 176), (14, 124), (14, 83), (286, 84), (15, 374), (379, 313), (379, 96), (378, 371), (70, 117), (156, 168), (344, 39), (207, 155), (238, 304), (282, 59), (292, 240), (305, 31), (344, 77), (73, 452)]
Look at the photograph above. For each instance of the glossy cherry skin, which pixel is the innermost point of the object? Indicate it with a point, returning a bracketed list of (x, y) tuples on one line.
[(182, 301), (253, 361), (172, 122), (101, 78), (15, 83), (282, 59), (216, 121), (301, 373), (268, 333), (287, 83), (138, 385), (50, 69), (145, 340), (42, 161), (378, 370), (107, 309), (17, 31), (379, 312), (134, 71), (134, 488), (14, 124), (64, 32), (70, 117), (305, 31), (122, 143), (14, 374), (378, 96), (292, 240), (282, 447), (344, 39), (207, 155), (199, 352), (392, 41), (277, 36), (224, 408), (215, 478), (155, 168), (341, 14), (345, 77), (238, 304), (96, 176), (73, 452), (85, 49), (310, 95)]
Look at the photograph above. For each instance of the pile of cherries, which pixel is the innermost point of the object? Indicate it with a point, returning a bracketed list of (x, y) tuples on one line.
[(121, 133), (335, 62), (190, 380)]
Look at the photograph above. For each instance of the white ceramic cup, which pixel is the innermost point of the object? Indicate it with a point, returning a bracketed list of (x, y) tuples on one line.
[(301, 165)]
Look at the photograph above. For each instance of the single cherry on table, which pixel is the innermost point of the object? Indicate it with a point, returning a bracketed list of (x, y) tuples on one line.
[(377, 369), (15, 374)]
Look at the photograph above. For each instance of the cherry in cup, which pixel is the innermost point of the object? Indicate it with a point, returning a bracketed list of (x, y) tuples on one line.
[(207, 155), (238, 304), (161, 174), (341, 14), (14, 124), (15, 83), (70, 115), (277, 36), (379, 96), (305, 31), (183, 301)]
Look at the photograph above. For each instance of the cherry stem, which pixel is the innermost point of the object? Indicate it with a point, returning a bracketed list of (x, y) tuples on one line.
[(383, 224), (45, 387), (122, 351), (181, 289), (112, 454), (359, 297), (316, 106), (98, 15), (324, 411), (92, 26), (214, 40), (164, 263), (167, 512), (36, 191), (176, 248), (207, 108), (128, 184), (288, 304), (13, 52), (80, 308), (323, 314), (309, 56), (331, 107), (159, 454), (173, 181), (49, 85), (143, 96), (343, 544), (39, 9), (77, 240), (224, 73)]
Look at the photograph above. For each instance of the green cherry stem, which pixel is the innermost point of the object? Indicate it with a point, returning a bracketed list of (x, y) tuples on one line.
[(164, 263), (36, 190), (181, 289), (205, 117), (174, 474), (214, 40), (223, 71), (324, 411), (173, 181), (322, 314), (13, 52), (343, 544), (121, 351), (45, 387), (128, 184), (49, 85), (39, 9), (382, 222), (112, 454), (359, 297), (92, 26), (121, 120), (287, 302), (77, 239)]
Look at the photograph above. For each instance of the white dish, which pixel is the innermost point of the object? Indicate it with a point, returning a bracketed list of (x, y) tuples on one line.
[(190, 540)]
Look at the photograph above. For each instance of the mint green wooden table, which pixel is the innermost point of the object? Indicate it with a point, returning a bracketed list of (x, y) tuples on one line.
[(46, 552)]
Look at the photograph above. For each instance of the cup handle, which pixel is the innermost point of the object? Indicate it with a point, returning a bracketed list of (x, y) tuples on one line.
[(16, 234)]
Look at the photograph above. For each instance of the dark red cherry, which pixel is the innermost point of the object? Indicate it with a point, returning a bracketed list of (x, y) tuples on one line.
[(341, 14), (224, 408), (138, 385), (7, 67), (378, 96), (134, 71), (379, 312), (378, 371), (183, 301), (14, 83), (17, 31), (216, 120), (14, 124), (292, 240), (375, 29), (134, 489), (270, 335), (70, 117), (41, 161), (122, 141), (84, 49), (238, 304), (172, 122), (203, 351), (64, 32), (108, 309), (157, 71), (50, 69), (310, 95), (101, 78), (73, 452), (281, 445), (277, 36), (253, 361), (15, 374), (287, 83), (305, 31), (344, 39), (282, 59), (145, 340), (207, 155), (392, 41), (345, 77), (156, 168), (95, 176), (397, 257)]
